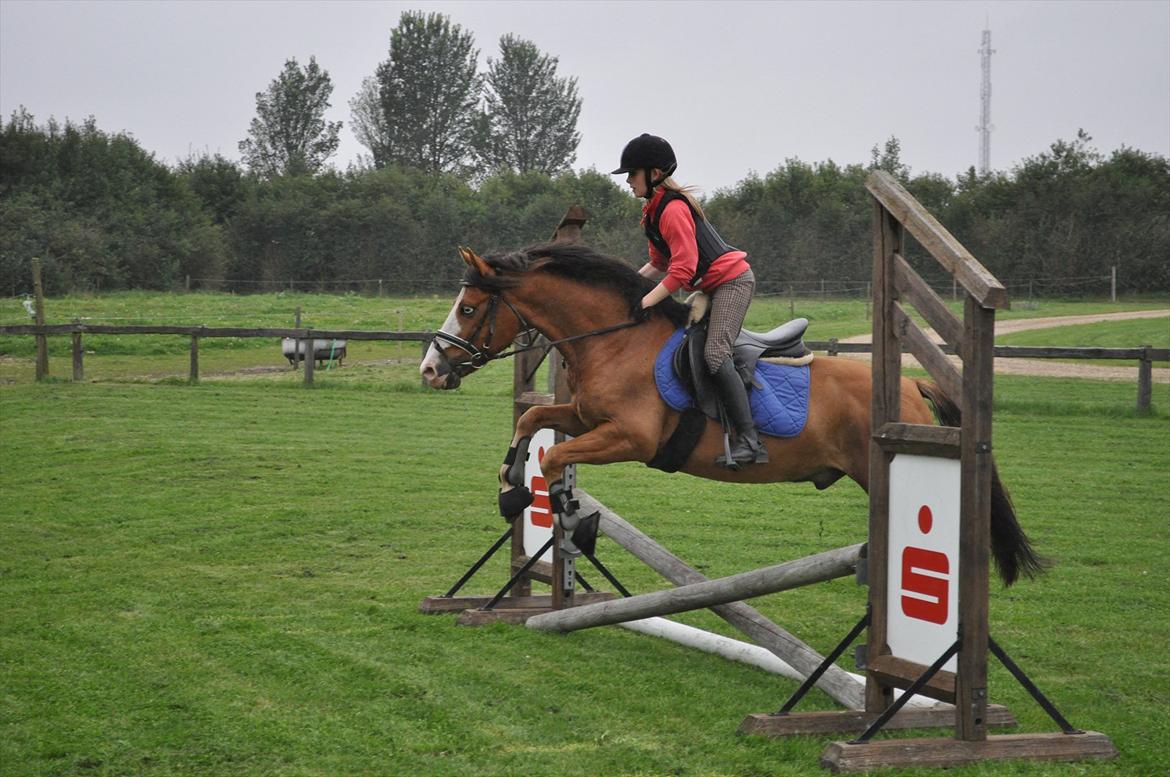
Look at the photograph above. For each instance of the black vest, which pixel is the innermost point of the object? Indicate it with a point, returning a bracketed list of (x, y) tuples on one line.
[(711, 246)]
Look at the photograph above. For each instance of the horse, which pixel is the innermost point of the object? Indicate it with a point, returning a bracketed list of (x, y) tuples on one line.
[(589, 306)]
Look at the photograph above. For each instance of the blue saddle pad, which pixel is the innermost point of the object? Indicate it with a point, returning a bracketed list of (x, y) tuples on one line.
[(780, 408)]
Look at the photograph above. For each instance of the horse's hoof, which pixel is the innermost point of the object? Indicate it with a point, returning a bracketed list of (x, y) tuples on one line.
[(514, 501), (585, 535)]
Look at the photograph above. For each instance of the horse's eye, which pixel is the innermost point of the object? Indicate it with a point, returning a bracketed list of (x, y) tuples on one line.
[(467, 310)]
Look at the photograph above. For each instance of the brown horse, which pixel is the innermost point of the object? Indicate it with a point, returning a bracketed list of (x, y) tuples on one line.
[(589, 305)]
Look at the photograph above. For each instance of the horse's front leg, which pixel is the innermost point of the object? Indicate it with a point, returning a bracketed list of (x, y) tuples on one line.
[(514, 495), (607, 443)]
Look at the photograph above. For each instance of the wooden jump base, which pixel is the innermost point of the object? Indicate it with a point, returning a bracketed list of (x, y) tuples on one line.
[(939, 752), (829, 565)]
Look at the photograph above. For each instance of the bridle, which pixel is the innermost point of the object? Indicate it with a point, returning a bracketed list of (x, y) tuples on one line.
[(481, 356)]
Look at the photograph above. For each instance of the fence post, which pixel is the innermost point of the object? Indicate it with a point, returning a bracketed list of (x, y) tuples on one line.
[(297, 343), (42, 343), (310, 355), (1145, 380), (78, 365), (193, 376), (833, 346), (791, 302), (1113, 283)]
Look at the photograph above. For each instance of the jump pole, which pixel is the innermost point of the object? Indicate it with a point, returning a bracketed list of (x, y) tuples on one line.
[(818, 568), (845, 688)]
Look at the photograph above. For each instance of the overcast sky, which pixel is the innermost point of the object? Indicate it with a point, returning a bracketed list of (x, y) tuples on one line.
[(735, 86)]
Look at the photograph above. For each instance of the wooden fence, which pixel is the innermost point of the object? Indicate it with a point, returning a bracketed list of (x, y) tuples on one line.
[(1145, 356)]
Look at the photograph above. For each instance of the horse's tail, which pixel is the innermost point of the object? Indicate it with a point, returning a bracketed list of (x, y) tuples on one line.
[(1012, 549)]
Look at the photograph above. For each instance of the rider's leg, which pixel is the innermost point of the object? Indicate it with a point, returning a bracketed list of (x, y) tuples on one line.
[(729, 305), (746, 447)]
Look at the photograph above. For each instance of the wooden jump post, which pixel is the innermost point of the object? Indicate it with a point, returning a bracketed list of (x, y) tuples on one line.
[(520, 604), (907, 464)]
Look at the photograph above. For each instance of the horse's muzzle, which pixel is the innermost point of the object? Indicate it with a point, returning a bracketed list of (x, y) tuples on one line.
[(437, 371)]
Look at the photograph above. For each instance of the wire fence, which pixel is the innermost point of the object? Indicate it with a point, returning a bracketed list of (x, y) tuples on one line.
[(1020, 289)]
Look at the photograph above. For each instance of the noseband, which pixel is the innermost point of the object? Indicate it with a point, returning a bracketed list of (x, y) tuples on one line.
[(481, 356)]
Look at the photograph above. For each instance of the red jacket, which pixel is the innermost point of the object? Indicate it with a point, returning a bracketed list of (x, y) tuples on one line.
[(677, 226)]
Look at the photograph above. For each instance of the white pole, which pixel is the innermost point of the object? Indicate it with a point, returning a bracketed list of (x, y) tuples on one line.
[(733, 649), (739, 651)]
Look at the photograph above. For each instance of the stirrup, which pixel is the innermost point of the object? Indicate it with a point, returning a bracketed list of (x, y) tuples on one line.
[(746, 454), (726, 460)]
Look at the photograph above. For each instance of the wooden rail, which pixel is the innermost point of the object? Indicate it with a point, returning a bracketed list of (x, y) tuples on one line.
[(1144, 355), (306, 335)]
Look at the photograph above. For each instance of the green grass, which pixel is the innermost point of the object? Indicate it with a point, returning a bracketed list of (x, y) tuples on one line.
[(224, 579)]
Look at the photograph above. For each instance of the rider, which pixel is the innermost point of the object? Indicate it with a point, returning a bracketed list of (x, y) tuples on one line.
[(686, 252)]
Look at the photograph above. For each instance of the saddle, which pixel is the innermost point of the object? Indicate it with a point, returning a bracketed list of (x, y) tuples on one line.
[(782, 345)]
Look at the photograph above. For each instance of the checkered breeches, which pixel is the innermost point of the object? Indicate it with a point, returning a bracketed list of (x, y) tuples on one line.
[(729, 304)]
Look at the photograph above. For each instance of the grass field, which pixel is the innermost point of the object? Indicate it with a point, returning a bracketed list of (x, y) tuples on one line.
[(223, 579)]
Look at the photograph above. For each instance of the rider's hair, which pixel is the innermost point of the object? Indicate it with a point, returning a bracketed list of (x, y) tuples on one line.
[(686, 191)]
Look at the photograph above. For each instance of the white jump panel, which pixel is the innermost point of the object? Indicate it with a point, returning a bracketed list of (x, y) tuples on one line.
[(538, 518), (922, 584)]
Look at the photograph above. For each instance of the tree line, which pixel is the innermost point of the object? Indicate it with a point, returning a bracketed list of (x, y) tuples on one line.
[(104, 214), (459, 157)]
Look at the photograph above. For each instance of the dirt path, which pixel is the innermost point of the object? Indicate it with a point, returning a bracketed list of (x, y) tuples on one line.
[(1049, 367)]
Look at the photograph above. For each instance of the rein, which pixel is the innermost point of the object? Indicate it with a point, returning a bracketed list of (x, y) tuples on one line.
[(480, 356)]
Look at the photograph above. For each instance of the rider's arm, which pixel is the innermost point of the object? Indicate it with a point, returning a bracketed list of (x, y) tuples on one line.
[(652, 272), (655, 295), (678, 230)]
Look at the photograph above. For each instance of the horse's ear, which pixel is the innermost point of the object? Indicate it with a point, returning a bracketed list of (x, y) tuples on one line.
[(475, 260)]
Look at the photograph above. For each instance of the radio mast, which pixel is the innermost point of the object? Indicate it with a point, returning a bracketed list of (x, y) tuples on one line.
[(985, 127)]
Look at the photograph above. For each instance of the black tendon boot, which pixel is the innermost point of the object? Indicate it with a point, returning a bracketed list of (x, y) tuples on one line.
[(746, 446)]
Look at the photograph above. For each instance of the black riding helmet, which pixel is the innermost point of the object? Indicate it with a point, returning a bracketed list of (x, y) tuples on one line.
[(647, 152)]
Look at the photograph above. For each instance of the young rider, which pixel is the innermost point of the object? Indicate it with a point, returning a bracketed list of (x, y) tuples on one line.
[(686, 252)]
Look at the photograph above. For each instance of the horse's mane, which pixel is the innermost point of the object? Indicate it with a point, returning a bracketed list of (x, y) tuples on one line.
[(575, 262)]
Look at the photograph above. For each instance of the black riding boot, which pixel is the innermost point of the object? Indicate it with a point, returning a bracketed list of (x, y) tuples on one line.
[(746, 447)]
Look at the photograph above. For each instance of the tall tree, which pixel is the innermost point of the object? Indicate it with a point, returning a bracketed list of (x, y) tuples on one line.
[(531, 115), (369, 123), (429, 90), (289, 135), (889, 158)]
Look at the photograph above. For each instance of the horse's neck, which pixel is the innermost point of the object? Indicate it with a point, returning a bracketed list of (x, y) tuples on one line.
[(562, 310)]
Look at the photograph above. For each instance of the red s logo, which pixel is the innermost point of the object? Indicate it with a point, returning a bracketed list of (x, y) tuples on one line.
[(926, 577), (932, 588)]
